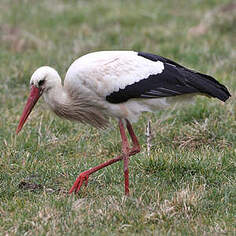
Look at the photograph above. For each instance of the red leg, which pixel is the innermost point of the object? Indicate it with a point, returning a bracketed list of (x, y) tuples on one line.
[(83, 177), (125, 151), (136, 147)]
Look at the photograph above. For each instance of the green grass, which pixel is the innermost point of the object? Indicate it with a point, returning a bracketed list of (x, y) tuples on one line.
[(186, 185)]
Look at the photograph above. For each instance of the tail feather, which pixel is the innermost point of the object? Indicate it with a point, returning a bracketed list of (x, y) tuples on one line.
[(207, 85)]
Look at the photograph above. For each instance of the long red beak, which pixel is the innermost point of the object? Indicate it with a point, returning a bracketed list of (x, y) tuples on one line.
[(35, 94)]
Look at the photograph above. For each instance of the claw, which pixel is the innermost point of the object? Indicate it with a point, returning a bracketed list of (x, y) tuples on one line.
[(83, 177)]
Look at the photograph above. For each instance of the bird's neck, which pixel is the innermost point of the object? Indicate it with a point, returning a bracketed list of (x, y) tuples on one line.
[(57, 97)]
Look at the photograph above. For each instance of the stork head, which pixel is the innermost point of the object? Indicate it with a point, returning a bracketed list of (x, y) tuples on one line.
[(42, 80)]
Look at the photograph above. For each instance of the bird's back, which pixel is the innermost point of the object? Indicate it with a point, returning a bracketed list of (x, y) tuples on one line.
[(108, 71)]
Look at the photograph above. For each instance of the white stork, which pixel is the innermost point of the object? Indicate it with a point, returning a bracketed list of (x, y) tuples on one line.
[(120, 84)]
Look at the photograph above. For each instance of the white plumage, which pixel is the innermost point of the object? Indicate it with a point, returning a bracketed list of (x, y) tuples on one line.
[(109, 71)]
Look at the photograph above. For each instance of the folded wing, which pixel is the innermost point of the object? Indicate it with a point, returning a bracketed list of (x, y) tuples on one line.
[(174, 80)]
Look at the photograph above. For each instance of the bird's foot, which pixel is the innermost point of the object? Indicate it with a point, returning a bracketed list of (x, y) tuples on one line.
[(82, 178)]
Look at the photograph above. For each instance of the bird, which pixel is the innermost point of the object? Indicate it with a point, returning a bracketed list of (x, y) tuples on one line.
[(102, 85)]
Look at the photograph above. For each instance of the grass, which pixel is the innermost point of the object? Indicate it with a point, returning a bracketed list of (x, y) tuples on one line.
[(186, 185)]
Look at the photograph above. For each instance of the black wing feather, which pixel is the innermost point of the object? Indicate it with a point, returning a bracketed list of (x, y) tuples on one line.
[(174, 80)]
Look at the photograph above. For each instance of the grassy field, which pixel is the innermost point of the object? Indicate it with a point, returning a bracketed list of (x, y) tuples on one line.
[(186, 185)]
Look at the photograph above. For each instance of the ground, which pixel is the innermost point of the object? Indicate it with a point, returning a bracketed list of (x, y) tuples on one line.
[(187, 183)]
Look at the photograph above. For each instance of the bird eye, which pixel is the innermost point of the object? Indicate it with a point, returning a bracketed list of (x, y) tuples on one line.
[(41, 82)]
